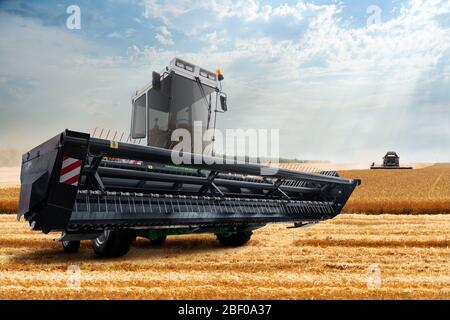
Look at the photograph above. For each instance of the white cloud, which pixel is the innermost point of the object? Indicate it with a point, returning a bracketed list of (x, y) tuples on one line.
[(413, 41), (249, 10), (122, 35), (192, 17), (165, 36), (163, 40), (215, 40), (165, 32)]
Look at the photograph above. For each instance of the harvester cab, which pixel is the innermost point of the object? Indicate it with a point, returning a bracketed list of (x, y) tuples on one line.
[(181, 96), (391, 159), (71, 184)]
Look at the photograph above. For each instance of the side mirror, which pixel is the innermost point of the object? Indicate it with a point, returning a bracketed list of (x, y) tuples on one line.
[(223, 103), (156, 80)]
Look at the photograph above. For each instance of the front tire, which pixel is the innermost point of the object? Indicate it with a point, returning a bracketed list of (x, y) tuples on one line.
[(70, 246), (112, 244), (236, 239)]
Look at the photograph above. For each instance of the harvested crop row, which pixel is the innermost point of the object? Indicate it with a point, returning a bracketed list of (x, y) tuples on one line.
[(333, 259)]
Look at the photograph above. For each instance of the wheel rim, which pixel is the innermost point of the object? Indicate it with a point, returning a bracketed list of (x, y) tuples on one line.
[(100, 240)]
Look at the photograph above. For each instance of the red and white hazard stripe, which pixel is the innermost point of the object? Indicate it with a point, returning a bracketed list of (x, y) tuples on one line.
[(70, 171)]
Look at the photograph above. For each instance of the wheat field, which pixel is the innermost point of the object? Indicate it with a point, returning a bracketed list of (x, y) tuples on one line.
[(425, 190), (9, 197), (419, 191), (352, 257)]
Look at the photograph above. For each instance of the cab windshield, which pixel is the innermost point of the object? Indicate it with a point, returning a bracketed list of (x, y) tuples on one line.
[(177, 104)]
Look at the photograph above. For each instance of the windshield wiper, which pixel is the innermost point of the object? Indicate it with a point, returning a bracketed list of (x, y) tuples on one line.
[(208, 104)]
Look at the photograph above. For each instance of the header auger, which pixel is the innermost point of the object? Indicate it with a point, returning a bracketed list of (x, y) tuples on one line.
[(112, 192)]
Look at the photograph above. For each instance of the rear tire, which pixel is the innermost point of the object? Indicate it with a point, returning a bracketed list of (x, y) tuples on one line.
[(234, 239), (158, 241), (70, 246), (112, 244)]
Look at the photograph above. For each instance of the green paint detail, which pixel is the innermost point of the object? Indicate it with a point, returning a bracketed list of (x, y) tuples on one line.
[(155, 233), (182, 168), (226, 231)]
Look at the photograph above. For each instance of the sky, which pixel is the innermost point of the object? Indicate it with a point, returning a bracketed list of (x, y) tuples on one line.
[(342, 80)]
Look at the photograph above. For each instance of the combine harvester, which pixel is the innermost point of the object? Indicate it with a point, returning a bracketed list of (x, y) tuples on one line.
[(112, 192), (390, 161)]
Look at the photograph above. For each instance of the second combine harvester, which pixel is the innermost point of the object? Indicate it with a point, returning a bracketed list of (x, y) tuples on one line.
[(112, 192)]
